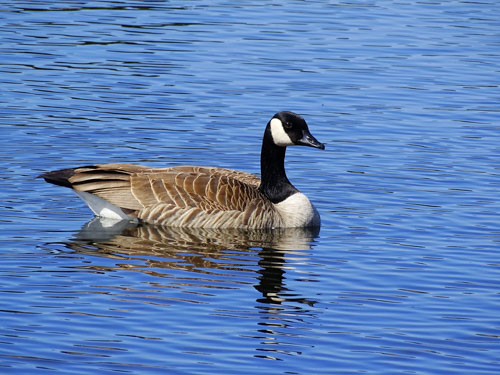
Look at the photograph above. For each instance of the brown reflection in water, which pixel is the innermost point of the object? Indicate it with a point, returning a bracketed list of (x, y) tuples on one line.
[(225, 253), (191, 259)]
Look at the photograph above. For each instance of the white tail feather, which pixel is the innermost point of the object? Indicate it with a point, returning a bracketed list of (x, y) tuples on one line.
[(102, 207)]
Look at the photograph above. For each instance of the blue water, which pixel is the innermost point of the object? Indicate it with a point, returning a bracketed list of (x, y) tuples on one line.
[(404, 276)]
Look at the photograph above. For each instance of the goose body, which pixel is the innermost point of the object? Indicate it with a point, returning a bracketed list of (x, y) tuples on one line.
[(203, 197)]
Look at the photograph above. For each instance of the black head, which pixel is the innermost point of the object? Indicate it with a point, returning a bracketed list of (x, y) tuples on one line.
[(290, 129)]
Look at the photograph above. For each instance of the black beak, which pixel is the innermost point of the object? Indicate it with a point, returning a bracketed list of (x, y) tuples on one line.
[(308, 140)]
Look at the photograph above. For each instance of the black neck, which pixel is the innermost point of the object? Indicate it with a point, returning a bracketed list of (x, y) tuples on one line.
[(274, 183)]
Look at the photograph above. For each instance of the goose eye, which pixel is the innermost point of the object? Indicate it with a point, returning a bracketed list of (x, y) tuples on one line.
[(288, 125)]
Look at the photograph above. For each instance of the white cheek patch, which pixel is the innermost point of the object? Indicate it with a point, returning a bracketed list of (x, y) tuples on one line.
[(279, 135)]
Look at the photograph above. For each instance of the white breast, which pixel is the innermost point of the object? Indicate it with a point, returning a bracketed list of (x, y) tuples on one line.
[(297, 211)]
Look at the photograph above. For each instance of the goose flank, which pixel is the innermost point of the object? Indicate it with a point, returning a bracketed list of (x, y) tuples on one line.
[(203, 197)]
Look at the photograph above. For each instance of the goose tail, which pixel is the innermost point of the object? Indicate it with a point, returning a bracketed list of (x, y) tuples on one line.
[(60, 177)]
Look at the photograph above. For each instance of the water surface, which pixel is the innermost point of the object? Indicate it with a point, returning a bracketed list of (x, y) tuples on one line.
[(403, 276)]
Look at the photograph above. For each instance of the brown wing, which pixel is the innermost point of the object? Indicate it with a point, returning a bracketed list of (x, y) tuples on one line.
[(186, 189), (135, 188), (108, 181), (245, 177)]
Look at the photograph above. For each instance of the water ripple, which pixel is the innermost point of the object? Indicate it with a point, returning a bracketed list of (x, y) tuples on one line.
[(403, 276)]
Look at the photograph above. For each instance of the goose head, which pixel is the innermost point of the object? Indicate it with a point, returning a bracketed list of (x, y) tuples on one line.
[(290, 129)]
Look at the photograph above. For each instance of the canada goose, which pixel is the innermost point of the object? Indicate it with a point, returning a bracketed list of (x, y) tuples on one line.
[(207, 197)]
